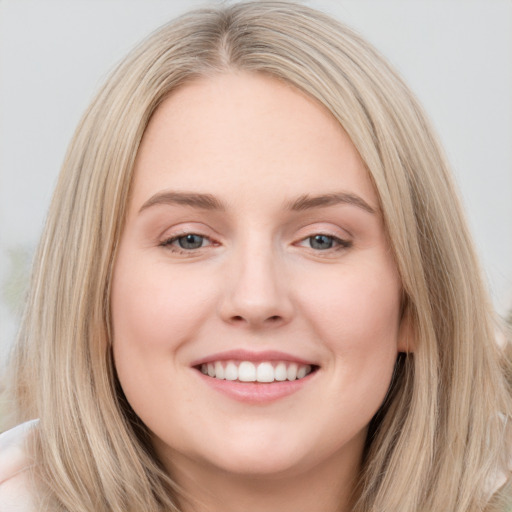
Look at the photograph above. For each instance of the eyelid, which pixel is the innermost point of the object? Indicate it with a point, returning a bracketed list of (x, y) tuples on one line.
[(180, 234), (185, 228), (174, 238), (323, 228), (343, 240), (173, 233), (340, 242)]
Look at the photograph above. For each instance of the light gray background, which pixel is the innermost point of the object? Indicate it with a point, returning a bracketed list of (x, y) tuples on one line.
[(455, 54)]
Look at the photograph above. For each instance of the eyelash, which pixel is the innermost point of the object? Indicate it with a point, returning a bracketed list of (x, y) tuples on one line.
[(338, 244), (169, 244)]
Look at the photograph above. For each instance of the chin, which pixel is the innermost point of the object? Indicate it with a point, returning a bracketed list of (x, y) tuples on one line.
[(259, 457), (259, 465)]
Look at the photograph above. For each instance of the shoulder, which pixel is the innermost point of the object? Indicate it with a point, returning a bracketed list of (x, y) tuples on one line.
[(14, 465)]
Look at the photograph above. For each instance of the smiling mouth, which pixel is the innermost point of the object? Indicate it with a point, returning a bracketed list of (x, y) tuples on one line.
[(263, 372)]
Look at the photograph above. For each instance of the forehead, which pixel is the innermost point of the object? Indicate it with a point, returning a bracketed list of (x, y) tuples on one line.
[(238, 132)]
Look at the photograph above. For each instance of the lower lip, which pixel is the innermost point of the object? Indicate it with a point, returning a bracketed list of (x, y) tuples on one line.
[(256, 392)]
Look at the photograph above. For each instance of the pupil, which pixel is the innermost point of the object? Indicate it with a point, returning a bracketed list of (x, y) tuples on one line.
[(190, 241), (321, 242)]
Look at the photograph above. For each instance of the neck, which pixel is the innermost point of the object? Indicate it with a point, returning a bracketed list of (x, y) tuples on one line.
[(327, 487)]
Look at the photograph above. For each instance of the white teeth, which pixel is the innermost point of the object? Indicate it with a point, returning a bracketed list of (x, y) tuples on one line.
[(280, 372), (231, 371), (219, 370), (291, 373), (246, 371), (265, 373), (301, 372)]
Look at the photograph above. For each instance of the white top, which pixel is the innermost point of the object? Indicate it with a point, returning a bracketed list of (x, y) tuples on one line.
[(14, 474)]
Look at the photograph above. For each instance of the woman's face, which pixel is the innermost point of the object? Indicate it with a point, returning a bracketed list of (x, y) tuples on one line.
[(254, 252)]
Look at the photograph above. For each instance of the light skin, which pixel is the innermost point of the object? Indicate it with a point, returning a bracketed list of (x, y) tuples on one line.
[(290, 255)]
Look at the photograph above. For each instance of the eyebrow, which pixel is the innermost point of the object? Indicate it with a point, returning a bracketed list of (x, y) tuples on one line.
[(210, 202), (306, 201), (195, 200)]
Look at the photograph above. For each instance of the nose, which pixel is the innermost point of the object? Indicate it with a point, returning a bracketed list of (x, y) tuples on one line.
[(256, 292)]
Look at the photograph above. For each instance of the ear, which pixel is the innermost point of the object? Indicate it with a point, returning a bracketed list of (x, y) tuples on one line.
[(406, 332)]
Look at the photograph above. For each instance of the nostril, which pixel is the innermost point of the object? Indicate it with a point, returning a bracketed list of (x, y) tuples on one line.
[(242, 319)]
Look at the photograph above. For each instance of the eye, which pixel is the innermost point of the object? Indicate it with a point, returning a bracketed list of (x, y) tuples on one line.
[(322, 242), (190, 241), (187, 242)]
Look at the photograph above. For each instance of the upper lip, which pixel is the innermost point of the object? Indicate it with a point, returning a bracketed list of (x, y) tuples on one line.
[(246, 355)]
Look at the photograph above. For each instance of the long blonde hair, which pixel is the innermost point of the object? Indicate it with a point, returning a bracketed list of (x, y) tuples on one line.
[(441, 439)]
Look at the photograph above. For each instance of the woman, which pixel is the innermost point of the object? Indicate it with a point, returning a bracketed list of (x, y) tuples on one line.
[(252, 290)]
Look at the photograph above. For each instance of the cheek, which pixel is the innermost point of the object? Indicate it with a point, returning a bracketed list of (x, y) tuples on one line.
[(154, 313), (357, 312), (152, 306)]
